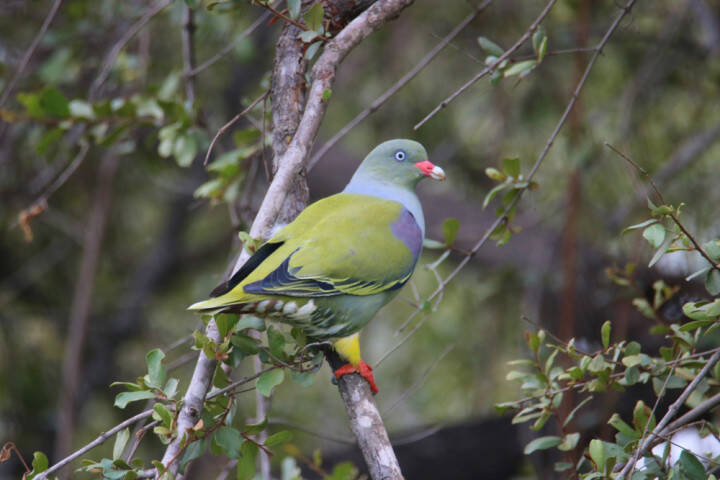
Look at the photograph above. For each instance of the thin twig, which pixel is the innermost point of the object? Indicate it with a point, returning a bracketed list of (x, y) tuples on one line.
[(229, 124), (672, 215), (30, 51), (380, 101), (491, 68), (118, 46), (278, 13), (229, 47), (188, 50), (415, 386), (98, 441)]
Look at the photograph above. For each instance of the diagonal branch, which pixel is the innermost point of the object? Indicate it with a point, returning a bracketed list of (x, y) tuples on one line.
[(30, 51), (491, 68), (380, 101)]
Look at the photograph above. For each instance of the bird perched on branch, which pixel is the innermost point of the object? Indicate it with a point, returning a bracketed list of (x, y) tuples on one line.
[(342, 259)]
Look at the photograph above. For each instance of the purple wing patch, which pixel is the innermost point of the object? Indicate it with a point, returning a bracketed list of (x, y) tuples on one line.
[(406, 229)]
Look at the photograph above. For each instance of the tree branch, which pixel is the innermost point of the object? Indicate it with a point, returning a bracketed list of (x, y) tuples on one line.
[(672, 411), (30, 51), (366, 423)]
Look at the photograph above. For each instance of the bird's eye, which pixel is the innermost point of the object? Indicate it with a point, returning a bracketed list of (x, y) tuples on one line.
[(399, 155)]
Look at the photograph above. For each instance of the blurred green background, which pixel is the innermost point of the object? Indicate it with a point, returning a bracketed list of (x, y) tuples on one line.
[(654, 93)]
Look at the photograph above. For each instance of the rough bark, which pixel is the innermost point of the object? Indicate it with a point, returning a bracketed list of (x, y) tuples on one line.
[(367, 424)]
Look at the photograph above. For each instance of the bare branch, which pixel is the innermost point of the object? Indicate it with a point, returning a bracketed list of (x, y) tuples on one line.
[(98, 441), (228, 48), (188, 50), (366, 423), (192, 403), (118, 46), (30, 51), (229, 124)]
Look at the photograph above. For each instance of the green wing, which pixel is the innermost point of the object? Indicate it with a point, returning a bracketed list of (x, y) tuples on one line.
[(343, 244)]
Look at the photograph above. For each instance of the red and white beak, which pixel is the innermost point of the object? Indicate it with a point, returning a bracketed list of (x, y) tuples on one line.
[(430, 170)]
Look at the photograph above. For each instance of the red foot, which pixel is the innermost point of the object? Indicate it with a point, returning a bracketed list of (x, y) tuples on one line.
[(364, 370)]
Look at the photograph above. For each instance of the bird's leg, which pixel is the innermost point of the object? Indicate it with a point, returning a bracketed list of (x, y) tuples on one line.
[(349, 349)]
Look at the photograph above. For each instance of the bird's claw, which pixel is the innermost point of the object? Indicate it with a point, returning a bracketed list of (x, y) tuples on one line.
[(363, 369)]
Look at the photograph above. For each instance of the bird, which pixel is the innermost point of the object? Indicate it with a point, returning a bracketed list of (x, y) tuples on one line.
[(329, 271)]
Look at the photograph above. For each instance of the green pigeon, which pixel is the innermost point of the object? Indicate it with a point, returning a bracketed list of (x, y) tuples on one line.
[(342, 259)]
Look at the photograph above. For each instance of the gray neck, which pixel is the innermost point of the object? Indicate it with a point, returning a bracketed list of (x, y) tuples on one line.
[(390, 191)]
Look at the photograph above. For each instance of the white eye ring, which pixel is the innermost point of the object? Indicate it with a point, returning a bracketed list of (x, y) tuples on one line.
[(399, 155)]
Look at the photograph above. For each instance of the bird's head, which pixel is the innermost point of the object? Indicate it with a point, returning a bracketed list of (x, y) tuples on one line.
[(401, 162)]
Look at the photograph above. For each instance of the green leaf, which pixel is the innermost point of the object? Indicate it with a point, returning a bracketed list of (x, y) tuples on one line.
[(193, 451), (308, 36), (269, 380), (433, 244), (54, 103), (123, 398), (660, 251), (171, 388), (542, 443), (326, 94), (712, 248), (156, 370), (538, 37), (312, 49), (569, 442), (712, 282), (162, 414), (702, 310), (121, 440), (691, 466), (621, 426), (511, 166), (250, 321), (344, 471), (229, 440), (661, 210), (655, 235), (255, 428), (210, 189), (246, 464), (597, 453), (52, 136), (450, 229), (81, 109), (314, 17), (576, 409), (491, 194), (246, 344), (278, 438), (605, 333), (294, 8), (185, 149), (39, 464), (542, 49), (490, 47), (225, 323), (523, 67), (639, 225), (276, 342)]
